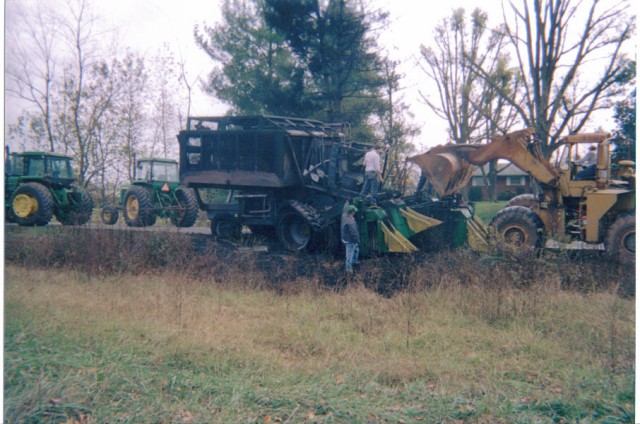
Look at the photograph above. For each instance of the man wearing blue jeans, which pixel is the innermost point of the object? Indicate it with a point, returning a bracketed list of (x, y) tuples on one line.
[(350, 237), (372, 173)]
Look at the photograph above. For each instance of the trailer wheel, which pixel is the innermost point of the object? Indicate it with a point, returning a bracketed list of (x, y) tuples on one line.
[(109, 215), (138, 207), (293, 231), (80, 210), (32, 204), (519, 227), (187, 210), (225, 226), (621, 240)]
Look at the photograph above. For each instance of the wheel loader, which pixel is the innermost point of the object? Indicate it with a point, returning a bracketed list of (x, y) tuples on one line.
[(155, 191), (289, 177), (39, 186), (568, 212)]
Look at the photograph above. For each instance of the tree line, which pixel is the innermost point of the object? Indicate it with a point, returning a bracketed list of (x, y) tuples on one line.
[(86, 96), (549, 64)]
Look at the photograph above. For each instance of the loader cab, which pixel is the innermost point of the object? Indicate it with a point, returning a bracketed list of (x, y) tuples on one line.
[(573, 147)]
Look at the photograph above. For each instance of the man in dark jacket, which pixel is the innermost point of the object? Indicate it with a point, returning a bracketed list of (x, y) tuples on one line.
[(350, 236)]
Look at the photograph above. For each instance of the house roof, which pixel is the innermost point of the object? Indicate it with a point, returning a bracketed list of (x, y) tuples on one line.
[(510, 171)]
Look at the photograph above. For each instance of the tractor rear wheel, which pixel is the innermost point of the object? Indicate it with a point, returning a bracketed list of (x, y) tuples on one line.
[(32, 204), (109, 215), (621, 240), (138, 207), (293, 230), (519, 227), (187, 210), (80, 211)]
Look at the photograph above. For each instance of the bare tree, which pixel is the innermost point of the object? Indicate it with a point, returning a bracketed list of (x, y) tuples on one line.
[(393, 115), (464, 101), (553, 41), (31, 64), (474, 110), (165, 115)]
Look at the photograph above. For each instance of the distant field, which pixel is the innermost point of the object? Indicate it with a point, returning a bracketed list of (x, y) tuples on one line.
[(154, 333)]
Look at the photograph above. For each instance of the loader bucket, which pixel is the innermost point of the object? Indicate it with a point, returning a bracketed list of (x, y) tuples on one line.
[(446, 171), (395, 241)]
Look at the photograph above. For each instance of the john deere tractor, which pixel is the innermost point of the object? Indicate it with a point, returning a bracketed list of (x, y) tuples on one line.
[(154, 192), (39, 185)]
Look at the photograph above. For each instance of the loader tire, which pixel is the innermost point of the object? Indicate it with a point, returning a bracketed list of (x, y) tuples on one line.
[(138, 207), (187, 210), (32, 204), (527, 200), (109, 215), (519, 227), (620, 242), (80, 211)]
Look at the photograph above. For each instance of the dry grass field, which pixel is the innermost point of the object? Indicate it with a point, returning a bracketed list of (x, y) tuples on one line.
[(145, 329)]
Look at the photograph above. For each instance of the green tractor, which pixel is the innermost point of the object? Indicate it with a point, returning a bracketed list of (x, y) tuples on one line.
[(154, 192), (38, 186)]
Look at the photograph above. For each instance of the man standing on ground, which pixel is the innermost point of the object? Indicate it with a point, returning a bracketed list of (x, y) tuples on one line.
[(350, 237), (372, 173)]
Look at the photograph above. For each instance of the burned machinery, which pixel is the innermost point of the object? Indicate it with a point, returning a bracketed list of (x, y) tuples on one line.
[(290, 176)]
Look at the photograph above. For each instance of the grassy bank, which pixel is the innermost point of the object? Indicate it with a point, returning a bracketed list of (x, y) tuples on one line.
[(222, 348)]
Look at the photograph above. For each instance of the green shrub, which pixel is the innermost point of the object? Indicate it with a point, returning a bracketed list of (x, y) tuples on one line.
[(506, 195)]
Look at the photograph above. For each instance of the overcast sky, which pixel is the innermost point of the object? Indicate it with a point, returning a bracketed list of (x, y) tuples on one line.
[(144, 25)]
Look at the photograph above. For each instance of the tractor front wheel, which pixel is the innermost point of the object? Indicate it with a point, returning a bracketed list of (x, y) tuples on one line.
[(187, 210), (32, 204), (519, 227), (109, 215), (138, 207)]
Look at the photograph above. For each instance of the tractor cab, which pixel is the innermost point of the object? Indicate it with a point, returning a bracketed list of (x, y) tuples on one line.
[(156, 169), (54, 168)]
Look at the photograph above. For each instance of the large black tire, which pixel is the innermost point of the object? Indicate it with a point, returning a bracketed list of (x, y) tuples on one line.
[(9, 216), (138, 207), (80, 210), (109, 215), (225, 226), (519, 227), (187, 210), (32, 204), (293, 230), (527, 200), (301, 227), (620, 242)]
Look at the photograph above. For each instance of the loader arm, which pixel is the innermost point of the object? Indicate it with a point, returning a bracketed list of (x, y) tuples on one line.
[(449, 168)]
